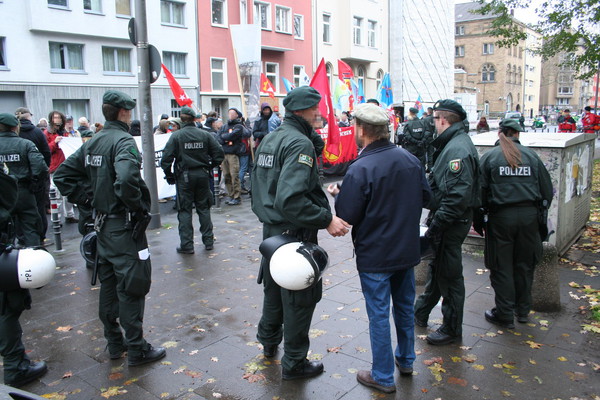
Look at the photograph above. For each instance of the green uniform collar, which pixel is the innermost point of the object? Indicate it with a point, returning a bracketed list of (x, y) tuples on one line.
[(8, 134), (116, 125), (299, 123), (188, 124), (454, 130), (514, 139)]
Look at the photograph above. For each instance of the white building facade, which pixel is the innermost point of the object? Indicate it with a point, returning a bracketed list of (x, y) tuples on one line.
[(64, 54)]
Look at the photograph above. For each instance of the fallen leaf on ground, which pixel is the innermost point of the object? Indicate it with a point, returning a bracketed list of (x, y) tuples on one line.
[(67, 374), (55, 396), (470, 358), (506, 393), (214, 359), (315, 333), (361, 349), (115, 376), (252, 378), (457, 381), (478, 367), (534, 345), (537, 378), (64, 328), (576, 376), (113, 391), (334, 349), (169, 344), (193, 374), (531, 361), (561, 358), (433, 360)]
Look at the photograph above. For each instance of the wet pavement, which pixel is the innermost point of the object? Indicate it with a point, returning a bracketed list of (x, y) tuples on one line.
[(204, 308)]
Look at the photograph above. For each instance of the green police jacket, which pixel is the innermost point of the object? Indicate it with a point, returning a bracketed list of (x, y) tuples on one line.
[(286, 190), (109, 166), (191, 148), (22, 158), (454, 179), (503, 185)]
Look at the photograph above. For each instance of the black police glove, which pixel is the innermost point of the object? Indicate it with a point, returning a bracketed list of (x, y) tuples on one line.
[(170, 179), (434, 233)]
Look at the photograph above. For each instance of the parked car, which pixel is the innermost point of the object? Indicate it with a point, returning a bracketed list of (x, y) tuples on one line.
[(512, 115)]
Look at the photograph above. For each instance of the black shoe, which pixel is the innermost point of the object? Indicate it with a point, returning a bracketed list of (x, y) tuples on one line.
[(522, 319), (404, 371), (71, 220), (269, 350), (420, 322), (209, 247), (185, 251), (35, 370), (307, 370), (490, 316), (117, 353), (439, 338), (148, 356)]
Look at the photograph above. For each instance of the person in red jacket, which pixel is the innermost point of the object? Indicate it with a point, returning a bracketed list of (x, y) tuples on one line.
[(54, 134), (566, 123), (591, 121)]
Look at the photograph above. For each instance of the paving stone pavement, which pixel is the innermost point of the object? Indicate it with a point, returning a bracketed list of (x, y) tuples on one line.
[(205, 307)]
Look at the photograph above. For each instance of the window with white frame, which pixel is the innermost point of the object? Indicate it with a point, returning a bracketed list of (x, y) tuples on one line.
[(563, 101), (326, 28), (175, 109), (371, 27), (530, 83), (329, 71), (219, 12), (297, 72), (565, 90), (171, 12), (59, 3), (459, 51), (123, 7), (459, 30), (116, 60), (218, 74), (299, 26), (262, 14), (361, 74), (530, 98), (357, 30), (488, 73), (488, 48), (76, 108), (272, 74), (66, 57), (3, 63), (378, 79), (283, 20), (94, 6), (175, 62), (243, 11)]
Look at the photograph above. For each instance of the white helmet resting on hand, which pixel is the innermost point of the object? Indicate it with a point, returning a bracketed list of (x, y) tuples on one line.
[(294, 265), (25, 269)]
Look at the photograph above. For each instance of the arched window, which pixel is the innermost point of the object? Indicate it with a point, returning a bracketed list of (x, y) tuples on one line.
[(488, 73), (519, 76), (329, 70), (508, 74), (486, 108), (360, 73), (509, 102), (379, 78)]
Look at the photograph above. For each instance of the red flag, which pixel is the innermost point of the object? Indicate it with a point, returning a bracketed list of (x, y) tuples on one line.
[(180, 97), (345, 72), (266, 86), (321, 83)]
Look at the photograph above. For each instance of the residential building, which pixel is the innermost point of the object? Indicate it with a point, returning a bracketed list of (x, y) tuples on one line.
[(421, 50), (561, 90), (64, 54), (286, 47), (504, 79), (356, 32)]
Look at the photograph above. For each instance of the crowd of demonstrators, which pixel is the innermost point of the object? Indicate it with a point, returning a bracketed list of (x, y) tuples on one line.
[(566, 123)]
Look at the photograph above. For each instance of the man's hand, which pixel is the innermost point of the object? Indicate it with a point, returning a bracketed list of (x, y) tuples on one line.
[(333, 189), (58, 139), (338, 227), (170, 178)]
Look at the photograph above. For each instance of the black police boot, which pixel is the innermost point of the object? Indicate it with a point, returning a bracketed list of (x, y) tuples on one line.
[(185, 251), (35, 370), (307, 370), (269, 350), (150, 355), (490, 316), (439, 338), (420, 322)]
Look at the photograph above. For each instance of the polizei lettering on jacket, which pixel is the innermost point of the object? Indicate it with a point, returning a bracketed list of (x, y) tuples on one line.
[(517, 171), (193, 145), (10, 158), (93, 160), (265, 160)]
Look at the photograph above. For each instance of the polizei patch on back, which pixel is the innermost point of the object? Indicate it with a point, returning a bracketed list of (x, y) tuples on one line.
[(455, 165), (304, 159), (524, 170)]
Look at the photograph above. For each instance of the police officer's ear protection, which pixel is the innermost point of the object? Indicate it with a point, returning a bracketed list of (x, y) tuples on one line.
[(294, 265)]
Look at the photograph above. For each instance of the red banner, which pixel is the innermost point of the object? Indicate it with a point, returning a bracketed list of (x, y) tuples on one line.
[(347, 146), (321, 83), (180, 96), (266, 86)]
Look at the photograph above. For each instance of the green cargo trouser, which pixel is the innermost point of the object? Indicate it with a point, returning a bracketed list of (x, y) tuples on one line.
[(194, 190), (12, 350), (291, 308), (512, 250), (125, 278), (27, 217), (445, 279)]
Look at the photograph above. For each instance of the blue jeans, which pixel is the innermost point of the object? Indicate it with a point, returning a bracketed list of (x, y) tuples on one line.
[(244, 164), (377, 289)]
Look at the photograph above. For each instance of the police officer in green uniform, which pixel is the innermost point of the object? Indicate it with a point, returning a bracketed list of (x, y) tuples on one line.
[(18, 368), (454, 181), (287, 197), (414, 138), (195, 152), (27, 165), (110, 162), (516, 189)]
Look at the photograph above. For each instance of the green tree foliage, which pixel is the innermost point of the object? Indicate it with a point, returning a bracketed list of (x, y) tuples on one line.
[(570, 26)]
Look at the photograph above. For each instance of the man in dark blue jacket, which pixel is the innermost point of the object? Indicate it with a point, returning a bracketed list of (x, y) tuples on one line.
[(386, 239), (230, 137)]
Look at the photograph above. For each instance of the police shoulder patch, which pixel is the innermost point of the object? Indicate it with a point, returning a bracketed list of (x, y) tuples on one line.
[(455, 165), (304, 159)]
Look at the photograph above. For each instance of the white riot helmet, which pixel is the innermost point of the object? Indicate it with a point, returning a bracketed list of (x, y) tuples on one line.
[(25, 269), (294, 265)]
